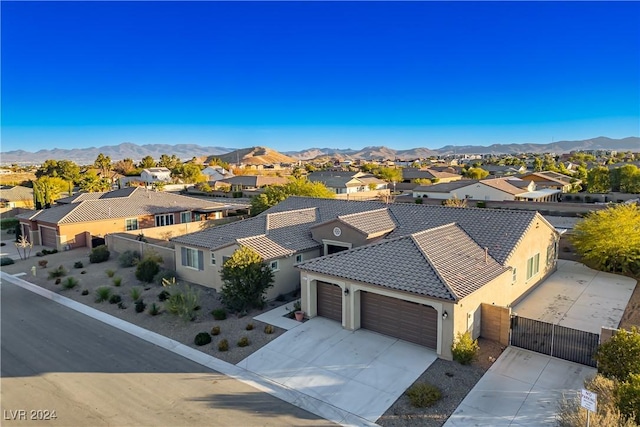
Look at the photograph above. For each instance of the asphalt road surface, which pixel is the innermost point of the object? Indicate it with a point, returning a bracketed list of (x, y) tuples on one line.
[(58, 362)]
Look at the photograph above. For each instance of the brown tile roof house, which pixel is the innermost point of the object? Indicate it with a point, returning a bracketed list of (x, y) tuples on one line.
[(492, 189), (370, 265), (75, 218), (16, 197), (411, 174)]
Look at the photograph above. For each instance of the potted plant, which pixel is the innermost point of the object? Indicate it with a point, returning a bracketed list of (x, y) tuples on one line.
[(297, 311)]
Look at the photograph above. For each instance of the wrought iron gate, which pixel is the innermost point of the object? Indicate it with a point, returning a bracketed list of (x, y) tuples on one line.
[(554, 340)]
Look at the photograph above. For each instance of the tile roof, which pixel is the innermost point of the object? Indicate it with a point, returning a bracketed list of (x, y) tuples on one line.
[(16, 194), (445, 187), (502, 184), (373, 222), (122, 204)]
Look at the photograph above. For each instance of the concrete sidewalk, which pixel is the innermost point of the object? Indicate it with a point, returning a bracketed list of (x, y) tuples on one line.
[(522, 388)]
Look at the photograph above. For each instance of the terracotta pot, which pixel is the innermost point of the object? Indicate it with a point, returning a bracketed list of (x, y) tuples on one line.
[(299, 315)]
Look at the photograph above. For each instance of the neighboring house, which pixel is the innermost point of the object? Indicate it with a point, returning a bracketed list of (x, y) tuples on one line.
[(216, 173), (410, 175), (504, 170), (16, 197), (551, 180), (153, 175), (251, 182), (415, 272), (72, 222), (345, 183), (496, 189)]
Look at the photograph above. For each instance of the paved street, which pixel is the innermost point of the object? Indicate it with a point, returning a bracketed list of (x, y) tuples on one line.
[(89, 373)]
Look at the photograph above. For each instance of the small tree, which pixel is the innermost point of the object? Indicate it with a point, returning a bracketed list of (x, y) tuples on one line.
[(464, 348), (245, 280), (619, 358), (147, 269), (455, 202), (629, 397)]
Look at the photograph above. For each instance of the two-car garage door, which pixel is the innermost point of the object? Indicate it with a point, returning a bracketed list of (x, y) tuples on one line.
[(406, 320), (401, 319)]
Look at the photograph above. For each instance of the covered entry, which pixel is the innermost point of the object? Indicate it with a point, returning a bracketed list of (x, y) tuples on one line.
[(330, 301), (401, 319), (49, 237)]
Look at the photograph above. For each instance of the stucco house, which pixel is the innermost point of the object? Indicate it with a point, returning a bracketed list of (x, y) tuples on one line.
[(410, 175), (551, 180), (415, 272), (74, 220), (216, 173), (493, 189), (154, 175), (251, 182), (16, 197), (345, 183)]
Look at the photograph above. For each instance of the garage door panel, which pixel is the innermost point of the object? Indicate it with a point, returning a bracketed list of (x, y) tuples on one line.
[(49, 237), (405, 320), (329, 301)]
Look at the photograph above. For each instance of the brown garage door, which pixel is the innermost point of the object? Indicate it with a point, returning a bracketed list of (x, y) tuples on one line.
[(48, 237), (408, 321), (330, 301)]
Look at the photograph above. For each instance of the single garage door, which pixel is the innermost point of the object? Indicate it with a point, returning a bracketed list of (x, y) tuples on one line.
[(406, 320), (330, 301), (48, 237)]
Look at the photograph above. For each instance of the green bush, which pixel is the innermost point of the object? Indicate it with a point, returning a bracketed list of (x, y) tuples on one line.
[(219, 314), (9, 223), (629, 397), (422, 395), (223, 345), (99, 254), (269, 329), (110, 273), (103, 293), (154, 310), (215, 330), (249, 327), (163, 296), (78, 264), (5, 260), (115, 299), (117, 281), (481, 204), (58, 272), (140, 306), (135, 293), (147, 270), (70, 283), (464, 349), (184, 304), (85, 292), (128, 258), (202, 338), (419, 201), (243, 342), (169, 275), (619, 357)]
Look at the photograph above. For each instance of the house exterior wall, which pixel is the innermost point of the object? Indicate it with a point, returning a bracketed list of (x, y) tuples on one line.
[(479, 191), (349, 236)]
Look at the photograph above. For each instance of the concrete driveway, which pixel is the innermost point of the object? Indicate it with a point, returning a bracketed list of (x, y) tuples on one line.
[(578, 297), (361, 372), (522, 388)]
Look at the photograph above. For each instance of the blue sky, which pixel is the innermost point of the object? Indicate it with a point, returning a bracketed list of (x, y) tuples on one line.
[(294, 75)]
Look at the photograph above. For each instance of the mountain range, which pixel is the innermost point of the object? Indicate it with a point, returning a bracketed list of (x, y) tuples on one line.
[(263, 155)]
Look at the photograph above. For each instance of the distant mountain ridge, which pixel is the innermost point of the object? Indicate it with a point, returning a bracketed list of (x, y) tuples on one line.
[(249, 155)]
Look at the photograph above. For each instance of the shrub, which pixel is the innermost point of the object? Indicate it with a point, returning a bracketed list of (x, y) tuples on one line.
[(128, 258), (140, 306), (568, 197), (115, 299), (619, 357), (243, 342), (464, 349), (135, 293), (422, 395), (110, 273), (5, 260), (121, 305), (85, 292), (147, 269), (103, 293), (99, 254), (58, 272), (419, 201), (219, 314), (39, 254), (245, 280), (223, 345), (70, 283), (9, 223), (249, 326), (163, 296), (78, 264), (184, 303), (202, 338), (481, 204), (269, 329), (164, 274), (43, 263), (215, 330), (629, 397), (83, 272), (58, 281), (154, 310), (117, 281)]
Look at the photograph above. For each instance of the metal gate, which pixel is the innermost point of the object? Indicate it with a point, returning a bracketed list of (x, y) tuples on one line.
[(554, 340)]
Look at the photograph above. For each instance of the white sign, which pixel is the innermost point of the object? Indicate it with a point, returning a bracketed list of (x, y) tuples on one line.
[(588, 400)]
